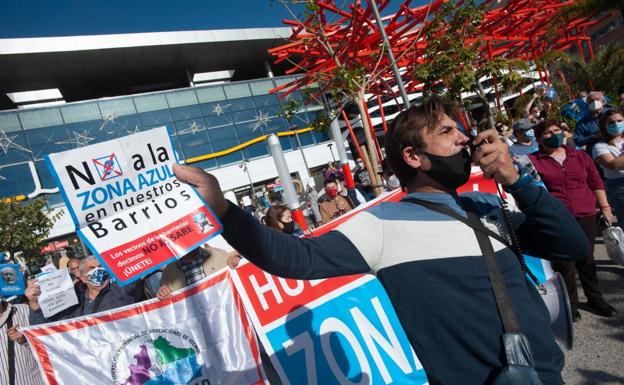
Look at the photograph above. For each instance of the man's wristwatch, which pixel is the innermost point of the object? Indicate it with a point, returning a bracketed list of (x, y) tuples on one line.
[(524, 179)]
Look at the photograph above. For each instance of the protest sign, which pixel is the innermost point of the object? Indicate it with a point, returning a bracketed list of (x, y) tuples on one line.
[(127, 205), (57, 292), (331, 331), (49, 268), (12, 282), (151, 343)]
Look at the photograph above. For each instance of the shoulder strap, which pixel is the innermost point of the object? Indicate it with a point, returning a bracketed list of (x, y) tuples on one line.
[(503, 303), (11, 348)]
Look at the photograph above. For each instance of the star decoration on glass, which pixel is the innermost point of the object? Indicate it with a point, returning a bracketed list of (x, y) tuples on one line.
[(80, 139), (107, 118), (135, 131), (192, 129), (262, 119), (7, 142), (218, 109)]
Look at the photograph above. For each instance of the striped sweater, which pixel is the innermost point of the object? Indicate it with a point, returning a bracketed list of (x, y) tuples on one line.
[(433, 271)]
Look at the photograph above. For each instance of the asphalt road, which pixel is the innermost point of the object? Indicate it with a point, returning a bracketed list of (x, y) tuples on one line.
[(597, 356)]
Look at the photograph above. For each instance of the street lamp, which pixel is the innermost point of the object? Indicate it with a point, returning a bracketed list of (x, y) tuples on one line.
[(329, 145), (245, 168)]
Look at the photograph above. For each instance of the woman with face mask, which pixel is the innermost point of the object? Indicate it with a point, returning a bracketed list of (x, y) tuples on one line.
[(608, 154), (571, 176), (280, 218)]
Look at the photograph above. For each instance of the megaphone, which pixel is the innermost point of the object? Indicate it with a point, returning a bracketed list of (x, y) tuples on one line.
[(555, 296)]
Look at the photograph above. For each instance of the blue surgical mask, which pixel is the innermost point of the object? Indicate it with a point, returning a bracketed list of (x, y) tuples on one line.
[(615, 128), (97, 276), (530, 134)]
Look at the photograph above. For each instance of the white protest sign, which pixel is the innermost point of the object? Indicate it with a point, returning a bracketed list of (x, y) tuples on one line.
[(49, 268), (127, 205), (57, 292)]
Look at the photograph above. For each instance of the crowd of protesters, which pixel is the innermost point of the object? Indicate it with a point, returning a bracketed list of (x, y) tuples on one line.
[(583, 168), (583, 172)]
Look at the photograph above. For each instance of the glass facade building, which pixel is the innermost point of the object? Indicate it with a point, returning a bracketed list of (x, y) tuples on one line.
[(201, 120)]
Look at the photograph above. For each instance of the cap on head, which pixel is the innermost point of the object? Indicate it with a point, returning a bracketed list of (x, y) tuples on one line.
[(523, 125)]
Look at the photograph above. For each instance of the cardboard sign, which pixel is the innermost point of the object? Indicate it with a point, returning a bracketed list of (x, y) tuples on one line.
[(11, 280), (127, 205), (57, 292)]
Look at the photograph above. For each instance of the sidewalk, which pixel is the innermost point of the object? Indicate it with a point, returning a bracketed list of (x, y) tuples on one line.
[(598, 354)]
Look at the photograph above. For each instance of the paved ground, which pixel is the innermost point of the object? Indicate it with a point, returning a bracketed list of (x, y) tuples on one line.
[(597, 357)]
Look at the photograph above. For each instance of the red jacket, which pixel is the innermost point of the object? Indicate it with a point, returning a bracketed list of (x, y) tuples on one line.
[(573, 183)]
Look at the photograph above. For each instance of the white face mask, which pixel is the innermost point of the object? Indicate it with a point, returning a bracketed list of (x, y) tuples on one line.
[(595, 105)]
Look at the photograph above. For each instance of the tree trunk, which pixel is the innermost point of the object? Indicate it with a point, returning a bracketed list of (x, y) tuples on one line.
[(370, 146), (486, 104)]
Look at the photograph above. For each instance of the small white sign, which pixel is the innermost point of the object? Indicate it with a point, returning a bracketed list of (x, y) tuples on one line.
[(57, 292), (49, 268)]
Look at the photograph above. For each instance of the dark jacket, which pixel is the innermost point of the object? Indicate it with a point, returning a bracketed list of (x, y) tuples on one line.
[(111, 297), (433, 271)]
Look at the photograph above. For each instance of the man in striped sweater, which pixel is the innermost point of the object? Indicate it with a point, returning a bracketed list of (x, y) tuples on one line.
[(430, 264)]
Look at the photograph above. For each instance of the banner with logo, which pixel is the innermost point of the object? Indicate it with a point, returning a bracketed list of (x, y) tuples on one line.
[(11, 280), (127, 205), (198, 336)]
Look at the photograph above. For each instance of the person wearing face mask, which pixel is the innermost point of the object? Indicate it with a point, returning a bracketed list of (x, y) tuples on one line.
[(98, 294), (609, 154), (586, 132), (279, 217), (571, 176), (430, 263), (362, 179), (525, 138), (335, 205)]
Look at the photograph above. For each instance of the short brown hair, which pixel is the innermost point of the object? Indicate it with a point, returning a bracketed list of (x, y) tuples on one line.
[(406, 131), (543, 125)]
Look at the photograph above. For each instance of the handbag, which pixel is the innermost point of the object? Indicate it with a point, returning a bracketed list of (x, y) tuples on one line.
[(613, 237), (519, 368)]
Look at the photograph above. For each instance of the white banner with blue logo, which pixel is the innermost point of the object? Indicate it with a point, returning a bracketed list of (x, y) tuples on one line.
[(198, 336)]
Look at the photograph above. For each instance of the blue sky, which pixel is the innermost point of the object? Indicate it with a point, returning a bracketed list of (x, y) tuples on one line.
[(36, 18)]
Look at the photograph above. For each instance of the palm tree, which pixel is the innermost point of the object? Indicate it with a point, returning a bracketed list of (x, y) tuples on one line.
[(604, 72)]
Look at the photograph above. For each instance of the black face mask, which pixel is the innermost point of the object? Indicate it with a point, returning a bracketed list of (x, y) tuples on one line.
[(450, 171), (289, 227)]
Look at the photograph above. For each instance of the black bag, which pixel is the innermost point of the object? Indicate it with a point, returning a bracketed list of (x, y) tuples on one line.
[(519, 369)]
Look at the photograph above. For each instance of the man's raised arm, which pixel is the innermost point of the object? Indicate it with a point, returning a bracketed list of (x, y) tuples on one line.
[(328, 255)]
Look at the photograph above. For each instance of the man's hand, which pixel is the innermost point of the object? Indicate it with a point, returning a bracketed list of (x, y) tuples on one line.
[(233, 259), (341, 205), (33, 291), (164, 292), (16, 336), (206, 185), (493, 158)]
